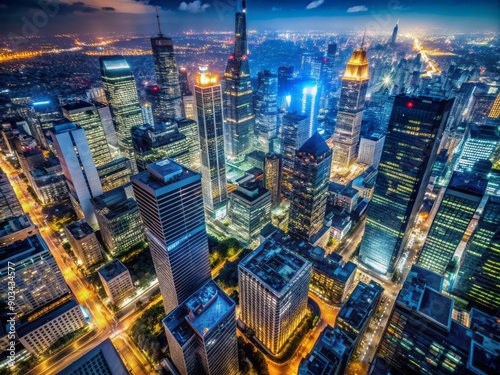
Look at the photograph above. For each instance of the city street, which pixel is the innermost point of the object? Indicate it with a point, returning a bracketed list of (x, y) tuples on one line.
[(101, 321)]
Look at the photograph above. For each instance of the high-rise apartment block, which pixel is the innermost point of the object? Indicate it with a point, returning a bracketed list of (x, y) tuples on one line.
[(409, 153), (171, 205), (273, 284), (78, 167), (201, 333)]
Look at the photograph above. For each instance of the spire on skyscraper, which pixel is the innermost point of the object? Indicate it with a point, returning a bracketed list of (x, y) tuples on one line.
[(158, 20)]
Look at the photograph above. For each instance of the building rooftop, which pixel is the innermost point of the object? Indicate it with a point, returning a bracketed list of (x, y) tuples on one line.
[(374, 136), (358, 306), (201, 313), (115, 202), (427, 306), (468, 183), (111, 270), (163, 173), (250, 191), (418, 278), (80, 104), (21, 250), (113, 361), (315, 145), (336, 268), (484, 358), (274, 265), (79, 229), (486, 324), (32, 325), (14, 224)]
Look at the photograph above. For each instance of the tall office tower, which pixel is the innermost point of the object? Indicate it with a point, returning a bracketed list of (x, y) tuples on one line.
[(161, 141), (103, 360), (189, 127), (294, 132), (209, 109), (108, 126), (370, 149), (477, 279), (171, 205), (305, 101), (238, 112), (38, 278), (285, 76), (422, 338), (78, 167), (409, 153), (250, 210), (85, 115), (201, 333), (84, 243), (41, 116), (351, 106), (481, 144), (121, 93), (273, 283), (394, 35), (167, 76), (147, 113), (9, 204), (310, 188), (460, 202), (266, 109), (184, 81), (188, 106), (114, 174), (119, 219), (272, 177)]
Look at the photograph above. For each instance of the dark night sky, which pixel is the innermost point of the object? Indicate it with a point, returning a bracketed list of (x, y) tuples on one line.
[(69, 16)]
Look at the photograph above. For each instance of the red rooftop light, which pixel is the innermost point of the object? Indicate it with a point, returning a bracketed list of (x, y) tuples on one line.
[(409, 104)]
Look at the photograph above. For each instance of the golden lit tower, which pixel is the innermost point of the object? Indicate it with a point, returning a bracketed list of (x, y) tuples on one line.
[(351, 106)]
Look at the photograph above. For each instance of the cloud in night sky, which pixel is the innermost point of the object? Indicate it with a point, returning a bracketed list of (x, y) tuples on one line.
[(111, 9), (194, 7), (357, 8), (315, 4)]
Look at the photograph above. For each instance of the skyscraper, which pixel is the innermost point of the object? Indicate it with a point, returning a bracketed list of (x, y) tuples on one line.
[(211, 132), (480, 145), (167, 77), (294, 133), (238, 114), (478, 277), (410, 149), (121, 93), (273, 283), (285, 74), (85, 115), (201, 333), (79, 169), (171, 205), (351, 105), (395, 33), (250, 210), (272, 177), (266, 109), (310, 188), (304, 100), (460, 202)]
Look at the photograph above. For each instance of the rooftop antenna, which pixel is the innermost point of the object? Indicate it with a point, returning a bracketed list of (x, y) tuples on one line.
[(158, 20), (397, 23), (363, 40)]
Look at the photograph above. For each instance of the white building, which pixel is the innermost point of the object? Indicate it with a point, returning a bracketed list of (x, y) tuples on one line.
[(116, 281), (370, 149)]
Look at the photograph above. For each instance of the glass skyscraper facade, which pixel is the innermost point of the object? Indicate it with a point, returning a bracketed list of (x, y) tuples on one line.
[(479, 274), (460, 202), (239, 116), (121, 93), (171, 206), (167, 77), (310, 188), (266, 109), (86, 116), (411, 144), (351, 106), (209, 109)]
